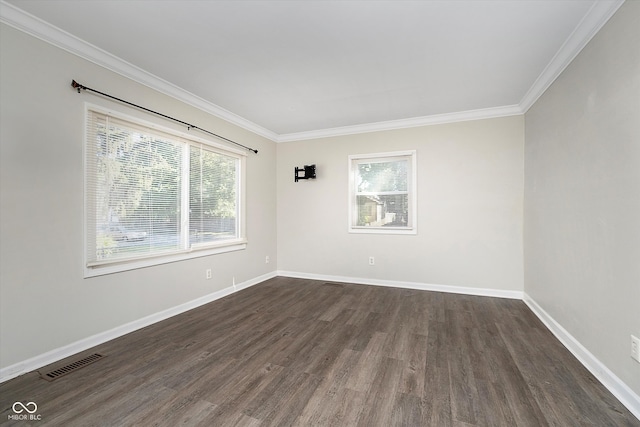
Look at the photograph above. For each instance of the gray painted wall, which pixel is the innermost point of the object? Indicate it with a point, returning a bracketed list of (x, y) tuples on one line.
[(45, 303), (470, 186), (582, 196)]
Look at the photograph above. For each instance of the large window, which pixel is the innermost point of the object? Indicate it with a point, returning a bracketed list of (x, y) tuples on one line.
[(154, 196), (382, 193)]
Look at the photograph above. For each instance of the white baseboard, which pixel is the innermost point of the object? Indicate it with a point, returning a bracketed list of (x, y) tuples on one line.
[(255, 281), (84, 344), (617, 387), (497, 293)]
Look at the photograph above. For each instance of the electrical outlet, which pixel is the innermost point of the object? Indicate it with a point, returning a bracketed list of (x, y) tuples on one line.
[(635, 348), (372, 261), (266, 259), (208, 273)]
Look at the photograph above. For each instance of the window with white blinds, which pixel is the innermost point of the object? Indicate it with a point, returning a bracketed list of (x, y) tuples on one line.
[(383, 193), (155, 194)]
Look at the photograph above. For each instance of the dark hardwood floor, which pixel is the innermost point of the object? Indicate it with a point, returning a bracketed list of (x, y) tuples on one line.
[(291, 352)]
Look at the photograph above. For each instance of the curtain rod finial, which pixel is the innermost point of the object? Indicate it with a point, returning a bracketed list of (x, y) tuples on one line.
[(76, 85)]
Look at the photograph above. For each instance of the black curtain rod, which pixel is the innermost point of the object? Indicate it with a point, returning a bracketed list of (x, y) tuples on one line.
[(80, 87)]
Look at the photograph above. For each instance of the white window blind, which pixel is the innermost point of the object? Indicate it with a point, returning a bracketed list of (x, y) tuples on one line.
[(151, 193), (382, 193), (213, 208)]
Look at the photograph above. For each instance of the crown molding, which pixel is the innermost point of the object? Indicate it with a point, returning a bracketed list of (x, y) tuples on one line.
[(591, 23), (44, 31), (437, 119), (588, 27)]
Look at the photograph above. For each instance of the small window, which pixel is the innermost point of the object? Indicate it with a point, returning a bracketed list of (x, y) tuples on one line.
[(153, 196), (382, 193)]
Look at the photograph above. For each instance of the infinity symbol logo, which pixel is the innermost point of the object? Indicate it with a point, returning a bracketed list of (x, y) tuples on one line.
[(22, 407)]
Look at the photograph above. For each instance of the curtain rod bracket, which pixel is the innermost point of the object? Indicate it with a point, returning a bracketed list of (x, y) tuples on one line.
[(80, 87)]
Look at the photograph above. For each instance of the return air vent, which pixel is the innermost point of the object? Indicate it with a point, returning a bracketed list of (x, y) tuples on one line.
[(71, 367)]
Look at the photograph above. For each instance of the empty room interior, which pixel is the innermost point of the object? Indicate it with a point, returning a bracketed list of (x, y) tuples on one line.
[(376, 213)]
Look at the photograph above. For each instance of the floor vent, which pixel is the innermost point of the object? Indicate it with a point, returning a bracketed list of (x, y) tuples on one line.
[(71, 367)]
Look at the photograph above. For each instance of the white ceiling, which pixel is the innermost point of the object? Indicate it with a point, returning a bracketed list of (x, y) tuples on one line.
[(298, 69)]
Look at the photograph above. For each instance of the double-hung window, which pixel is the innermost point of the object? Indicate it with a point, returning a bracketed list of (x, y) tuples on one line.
[(382, 195), (153, 195)]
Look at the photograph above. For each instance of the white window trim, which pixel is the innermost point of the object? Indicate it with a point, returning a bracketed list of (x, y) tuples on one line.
[(117, 266), (412, 190)]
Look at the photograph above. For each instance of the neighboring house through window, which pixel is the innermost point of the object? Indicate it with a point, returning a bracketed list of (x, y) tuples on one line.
[(382, 193)]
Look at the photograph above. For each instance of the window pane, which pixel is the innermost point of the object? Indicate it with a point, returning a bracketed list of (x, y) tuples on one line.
[(137, 193), (382, 176), (151, 192), (212, 203), (383, 210), (382, 193)]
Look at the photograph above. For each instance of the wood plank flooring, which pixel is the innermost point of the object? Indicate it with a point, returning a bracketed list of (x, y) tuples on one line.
[(292, 352)]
